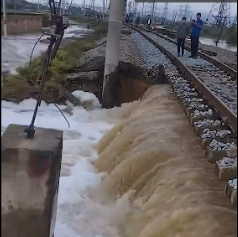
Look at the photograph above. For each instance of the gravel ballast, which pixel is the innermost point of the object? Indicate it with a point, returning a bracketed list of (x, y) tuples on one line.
[(218, 82)]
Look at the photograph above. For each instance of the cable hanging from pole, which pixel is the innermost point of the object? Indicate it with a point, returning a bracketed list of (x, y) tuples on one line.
[(58, 24)]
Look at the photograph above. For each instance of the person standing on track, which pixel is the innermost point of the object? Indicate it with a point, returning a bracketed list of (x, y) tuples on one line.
[(182, 33), (196, 30), (149, 22), (127, 19), (137, 21)]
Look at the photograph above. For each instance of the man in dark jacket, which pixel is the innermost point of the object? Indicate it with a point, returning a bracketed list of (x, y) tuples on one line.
[(182, 33), (196, 30), (127, 19), (137, 21), (149, 22)]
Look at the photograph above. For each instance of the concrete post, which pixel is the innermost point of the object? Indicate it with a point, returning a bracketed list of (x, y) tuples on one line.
[(124, 11), (153, 13), (103, 10), (113, 48), (142, 13), (4, 19), (30, 179)]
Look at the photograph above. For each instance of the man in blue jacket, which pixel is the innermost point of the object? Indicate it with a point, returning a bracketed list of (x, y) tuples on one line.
[(196, 30)]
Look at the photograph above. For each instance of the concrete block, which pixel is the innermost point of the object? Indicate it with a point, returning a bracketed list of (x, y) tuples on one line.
[(184, 108), (225, 173), (30, 179), (214, 156), (205, 142), (190, 111), (199, 130), (193, 119), (228, 190), (234, 198), (180, 99), (171, 83)]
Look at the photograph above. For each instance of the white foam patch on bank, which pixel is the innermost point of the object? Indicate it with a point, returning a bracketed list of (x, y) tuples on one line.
[(86, 96), (81, 213)]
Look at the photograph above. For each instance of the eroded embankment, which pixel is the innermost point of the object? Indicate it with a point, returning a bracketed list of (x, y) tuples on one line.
[(155, 153)]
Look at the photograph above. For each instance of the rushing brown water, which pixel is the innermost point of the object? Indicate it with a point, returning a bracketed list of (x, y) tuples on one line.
[(155, 157)]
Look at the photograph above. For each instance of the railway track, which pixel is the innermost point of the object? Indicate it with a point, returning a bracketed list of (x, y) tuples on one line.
[(207, 95), (229, 70)]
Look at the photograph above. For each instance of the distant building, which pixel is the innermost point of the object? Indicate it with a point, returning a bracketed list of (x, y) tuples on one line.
[(19, 22)]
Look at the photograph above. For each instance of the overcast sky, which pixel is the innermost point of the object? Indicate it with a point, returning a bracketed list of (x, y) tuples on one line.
[(195, 7)]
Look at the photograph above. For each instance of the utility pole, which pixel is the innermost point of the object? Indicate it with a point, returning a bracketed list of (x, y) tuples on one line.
[(174, 19), (112, 51), (63, 7), (234, 21), (93, 6), (125, 9), (153, 12), (135, 11), (38, 5), (165, 15), (4, 19), (142, 13), (130, 7), (103, 10)]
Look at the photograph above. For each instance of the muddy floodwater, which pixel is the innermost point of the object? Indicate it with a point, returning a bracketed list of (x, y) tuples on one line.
[(132, 171), (16, 50), (153, 180), (155, 160), (222, 44), (208, 41)]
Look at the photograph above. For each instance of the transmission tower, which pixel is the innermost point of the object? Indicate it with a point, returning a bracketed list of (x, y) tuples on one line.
[(135, 5), (125, 9), (235, 21), (92, 5), (130, 7), (219, 14), (165, 14), (184, 11), (153, 12)]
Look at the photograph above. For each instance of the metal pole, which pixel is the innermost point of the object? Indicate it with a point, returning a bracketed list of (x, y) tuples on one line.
[(84, 7), (142, 13), (125, 9), (103, 10), (63, 7), (113, 48), (153, 12), (4, 19)]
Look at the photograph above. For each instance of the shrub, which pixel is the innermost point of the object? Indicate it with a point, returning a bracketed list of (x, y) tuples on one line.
[(17, 87)]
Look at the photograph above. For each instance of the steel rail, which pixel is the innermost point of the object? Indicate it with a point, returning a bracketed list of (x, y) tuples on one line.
[(230, 71), (227, 115)]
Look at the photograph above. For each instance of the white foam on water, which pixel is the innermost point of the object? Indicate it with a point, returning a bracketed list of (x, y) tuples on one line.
[(86, 96), (80, 212)]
